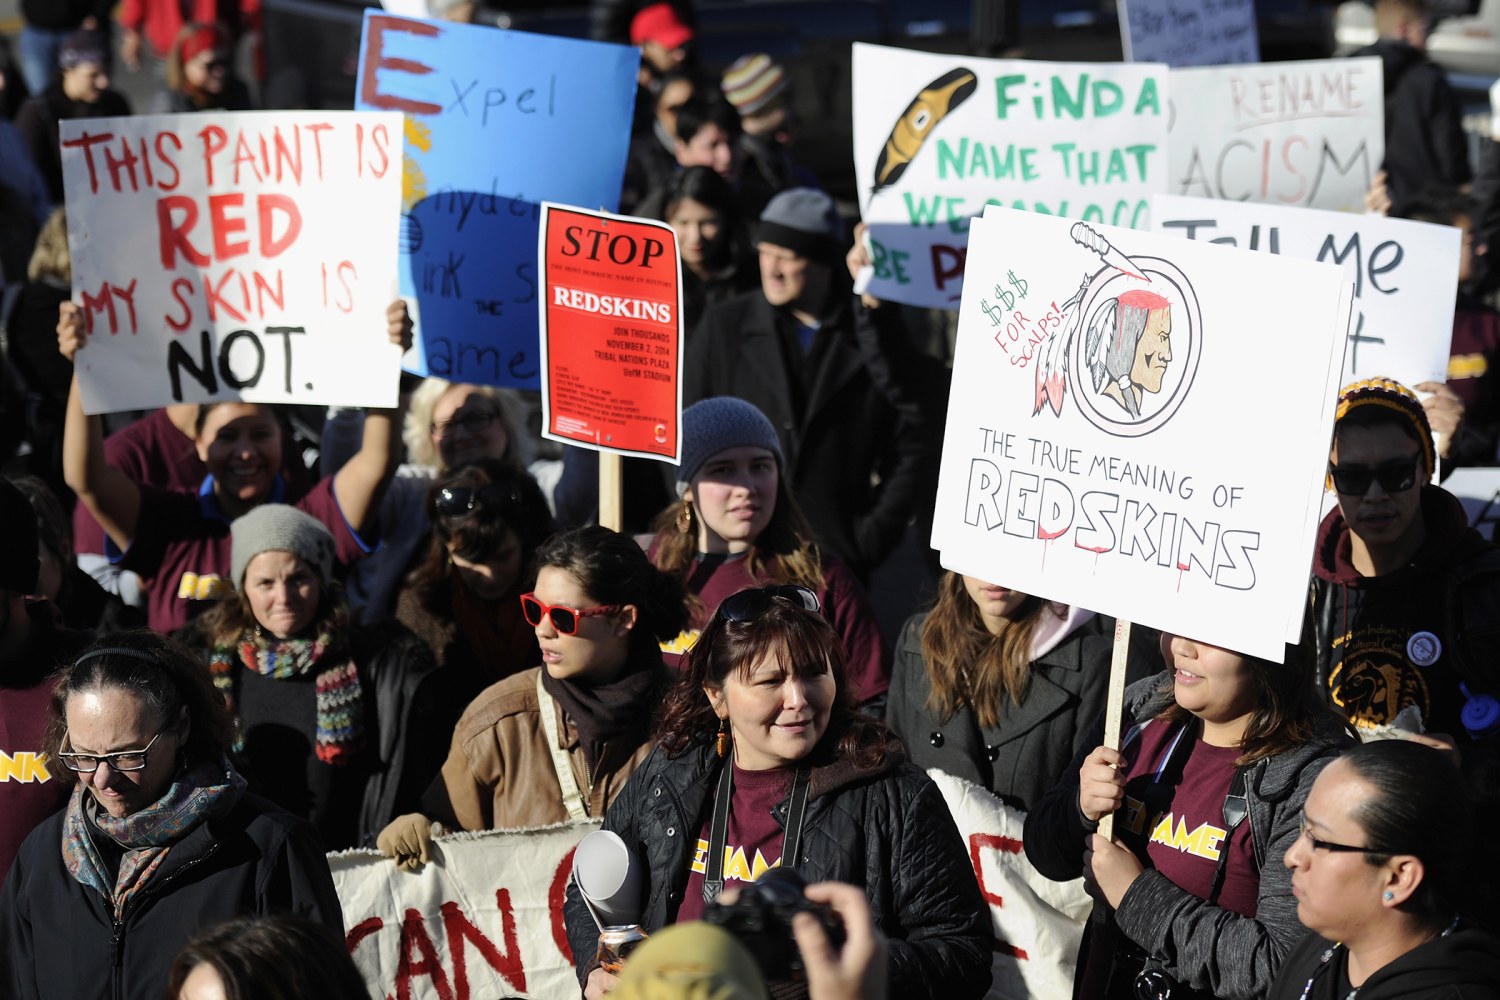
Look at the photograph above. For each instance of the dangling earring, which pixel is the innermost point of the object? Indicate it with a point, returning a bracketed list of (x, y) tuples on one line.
[(685, 522), (721, 742)]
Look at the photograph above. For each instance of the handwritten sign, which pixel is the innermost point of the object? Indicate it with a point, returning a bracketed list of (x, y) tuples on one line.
[(234, 256), (1290, 133), (483, 919), (498, 121), (937, 138), (1121, 436), (1189, 32), (611, 342), (1405, 274)]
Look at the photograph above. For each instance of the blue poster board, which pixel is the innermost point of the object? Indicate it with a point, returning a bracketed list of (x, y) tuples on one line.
[(497, 122)]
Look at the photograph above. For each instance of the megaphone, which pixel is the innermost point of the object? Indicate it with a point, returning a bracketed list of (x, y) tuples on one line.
[(608, 879)]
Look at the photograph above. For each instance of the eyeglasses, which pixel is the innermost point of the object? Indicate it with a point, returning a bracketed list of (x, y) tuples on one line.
[(474, 423), (1305, 832), (748, 605), (1395, 476), (564, 618), (456, 501), (122, 760)]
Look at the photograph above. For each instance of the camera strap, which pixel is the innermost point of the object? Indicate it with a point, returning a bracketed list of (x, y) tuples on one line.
[(718, 828)]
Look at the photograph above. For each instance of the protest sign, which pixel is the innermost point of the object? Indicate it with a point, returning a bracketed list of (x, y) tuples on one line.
[(611, 317), (1290, 133), (1405, 274), (1121, 438), (234, 256), (1038, 923), (498, 121), (939, 137), (1189, 32), (482, 919)]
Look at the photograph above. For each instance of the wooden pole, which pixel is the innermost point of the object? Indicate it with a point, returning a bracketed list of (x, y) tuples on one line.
[(611, 500), (1114, 707)]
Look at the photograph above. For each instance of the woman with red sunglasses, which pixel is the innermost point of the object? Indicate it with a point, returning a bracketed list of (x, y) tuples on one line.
[(556, 743)]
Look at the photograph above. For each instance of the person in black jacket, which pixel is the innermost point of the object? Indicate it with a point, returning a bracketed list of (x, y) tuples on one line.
[(158, 840), (80, 89), (1385, 865), (760, 731)]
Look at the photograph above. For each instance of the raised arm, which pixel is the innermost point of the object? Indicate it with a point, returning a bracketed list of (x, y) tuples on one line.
[(361, 483)]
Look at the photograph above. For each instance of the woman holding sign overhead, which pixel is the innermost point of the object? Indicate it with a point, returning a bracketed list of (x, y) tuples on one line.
[(1207, 792), (177, 541)]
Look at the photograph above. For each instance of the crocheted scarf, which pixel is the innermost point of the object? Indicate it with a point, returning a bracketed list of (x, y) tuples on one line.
[(340, 706), (148, 834)]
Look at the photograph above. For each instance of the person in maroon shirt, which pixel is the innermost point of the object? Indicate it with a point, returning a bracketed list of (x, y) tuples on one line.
[(178, 540)]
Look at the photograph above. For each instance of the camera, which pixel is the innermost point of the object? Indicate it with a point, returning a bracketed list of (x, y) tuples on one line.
[(761, 920)]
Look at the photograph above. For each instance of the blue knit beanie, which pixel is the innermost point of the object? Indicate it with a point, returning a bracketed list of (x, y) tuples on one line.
[(713, 425)]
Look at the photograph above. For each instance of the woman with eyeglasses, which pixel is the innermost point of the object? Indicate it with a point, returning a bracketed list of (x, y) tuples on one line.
[(1206, 791), (1388, 882), (556, 743), (159, 838), (762, 761), (737, 525)]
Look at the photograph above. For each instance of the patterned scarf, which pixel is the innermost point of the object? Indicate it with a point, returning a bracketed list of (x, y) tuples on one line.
[(340, 706), (147, 835)]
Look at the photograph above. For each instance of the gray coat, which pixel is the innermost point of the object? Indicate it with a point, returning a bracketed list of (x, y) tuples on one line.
[(1208, 948)]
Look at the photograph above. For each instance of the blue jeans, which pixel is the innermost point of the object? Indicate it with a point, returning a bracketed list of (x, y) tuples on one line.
[(38, 51)]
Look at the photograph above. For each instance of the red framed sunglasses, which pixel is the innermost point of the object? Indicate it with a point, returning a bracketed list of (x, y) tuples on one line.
[(564, 618)]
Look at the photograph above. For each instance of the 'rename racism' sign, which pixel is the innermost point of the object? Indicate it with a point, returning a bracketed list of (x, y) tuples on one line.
[(234, 256), (1405, 274), (1289, 133), (1119, 436), (938, 138)]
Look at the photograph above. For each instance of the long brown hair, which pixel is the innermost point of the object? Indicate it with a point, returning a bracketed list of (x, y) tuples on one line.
[(806, 644), (966, 665)]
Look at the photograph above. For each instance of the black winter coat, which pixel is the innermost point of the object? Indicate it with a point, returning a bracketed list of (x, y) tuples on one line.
[(59, 941), (1425, 144), (1462, 965), (887, 830)]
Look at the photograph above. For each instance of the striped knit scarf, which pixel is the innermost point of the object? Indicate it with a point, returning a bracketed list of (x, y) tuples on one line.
[(148, 834), (340, 706)]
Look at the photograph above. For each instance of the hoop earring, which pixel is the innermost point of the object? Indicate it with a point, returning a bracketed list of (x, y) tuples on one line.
[(721, 742), (685, 520)]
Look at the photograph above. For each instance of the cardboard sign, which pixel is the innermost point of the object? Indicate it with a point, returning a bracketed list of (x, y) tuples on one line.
[(938, 137), (611, 343), (1405, 274), (226, 255), (482, 919), (1189, 32), (1038, 922), (498, 121), (1289, 133), (1120, 436)]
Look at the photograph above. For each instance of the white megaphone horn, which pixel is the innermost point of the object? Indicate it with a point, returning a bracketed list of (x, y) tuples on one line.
[(608, 879)]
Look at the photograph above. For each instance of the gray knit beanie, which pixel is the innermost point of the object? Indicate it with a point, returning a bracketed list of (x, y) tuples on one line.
[(275, 527), (712, 425), (805, 221)]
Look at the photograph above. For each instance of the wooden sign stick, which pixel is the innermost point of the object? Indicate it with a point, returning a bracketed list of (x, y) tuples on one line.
[(611, 499), (1114, 707)]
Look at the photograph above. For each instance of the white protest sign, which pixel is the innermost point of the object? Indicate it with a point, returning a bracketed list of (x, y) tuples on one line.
[(1405, 274), (939, 137), (1290, 133), (1121, 438), (1189, 32), (482, 919), (1038, 922), (246, 255)]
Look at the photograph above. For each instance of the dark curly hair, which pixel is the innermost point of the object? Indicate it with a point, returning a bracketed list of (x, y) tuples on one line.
[(613, 569)]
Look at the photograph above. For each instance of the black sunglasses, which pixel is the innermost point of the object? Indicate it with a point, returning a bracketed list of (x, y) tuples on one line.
[(748, 605), (1394, 477), (458, 501)]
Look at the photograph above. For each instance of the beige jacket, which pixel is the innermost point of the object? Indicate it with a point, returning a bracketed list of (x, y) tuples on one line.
[(499, 773)]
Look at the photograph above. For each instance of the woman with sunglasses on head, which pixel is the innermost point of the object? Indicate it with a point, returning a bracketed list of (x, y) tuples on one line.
[(761, 762), (737, 525), (1206, 792), (556, 743), (200, 74), (1388, 884), (159, 840)]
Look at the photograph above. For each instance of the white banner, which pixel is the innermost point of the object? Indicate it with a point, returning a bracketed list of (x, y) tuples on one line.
[(245, 255), (1289, 133), (1122, 435), (1405, 274), (939, 137), (1189, 32), (484, 919)]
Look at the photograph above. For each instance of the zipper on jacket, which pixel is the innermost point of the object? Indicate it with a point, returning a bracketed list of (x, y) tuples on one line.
[(118, 936)]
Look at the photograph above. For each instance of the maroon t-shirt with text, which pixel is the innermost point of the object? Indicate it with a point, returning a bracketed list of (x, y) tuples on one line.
[(753, 840)]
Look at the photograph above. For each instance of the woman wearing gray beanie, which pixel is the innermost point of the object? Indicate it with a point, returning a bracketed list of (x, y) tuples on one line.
[(736, 525)]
